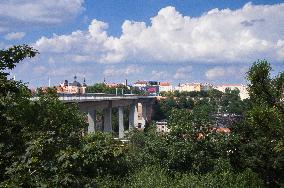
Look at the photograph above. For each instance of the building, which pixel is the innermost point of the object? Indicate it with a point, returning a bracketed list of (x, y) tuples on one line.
[(140, 84), (189, 87), (165, 87), (242, 88), (151, 87), (206, 87), (72, 88), (112, 85), (162, 127)]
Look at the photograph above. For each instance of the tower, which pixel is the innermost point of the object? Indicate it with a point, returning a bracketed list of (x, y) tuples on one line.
[(84, 82)]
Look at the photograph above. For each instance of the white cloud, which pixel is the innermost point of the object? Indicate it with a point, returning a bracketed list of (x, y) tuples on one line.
[(129, 70), (159, 75), (225, 72), (280, 51), (183, 73), (218, 36), (14, 35), (40, 11)]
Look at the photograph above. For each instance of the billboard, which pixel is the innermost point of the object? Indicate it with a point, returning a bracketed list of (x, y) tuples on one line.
[(152, 89)]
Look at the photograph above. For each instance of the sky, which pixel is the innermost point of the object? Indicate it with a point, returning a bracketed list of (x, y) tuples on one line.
[(178, 41)]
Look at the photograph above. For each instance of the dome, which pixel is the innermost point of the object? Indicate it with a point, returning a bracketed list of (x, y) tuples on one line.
[(75, 83)]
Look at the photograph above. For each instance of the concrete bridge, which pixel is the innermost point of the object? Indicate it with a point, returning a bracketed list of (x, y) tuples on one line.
[(139, 114)]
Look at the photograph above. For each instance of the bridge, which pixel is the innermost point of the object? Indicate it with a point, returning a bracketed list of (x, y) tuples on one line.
[(139, 113)]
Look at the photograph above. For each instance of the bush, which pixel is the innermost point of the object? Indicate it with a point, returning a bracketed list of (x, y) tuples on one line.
[(149, 177)]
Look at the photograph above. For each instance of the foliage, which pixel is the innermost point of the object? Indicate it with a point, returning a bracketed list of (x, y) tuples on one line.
[(224, 179), (43, 142), (155, 176), (212, 101), (148, 177), (263, 132), (13, 96), (120, 89)]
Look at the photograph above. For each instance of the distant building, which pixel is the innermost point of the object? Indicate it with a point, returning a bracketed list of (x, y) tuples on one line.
[(162, 127), (189, 87), (112, 85), (141, 121), (206, 87), (165, 87), (242, 88), (151, 87), (140, 84), (72, 88)]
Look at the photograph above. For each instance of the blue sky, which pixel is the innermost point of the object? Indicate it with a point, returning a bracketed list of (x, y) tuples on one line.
[(177, 41)]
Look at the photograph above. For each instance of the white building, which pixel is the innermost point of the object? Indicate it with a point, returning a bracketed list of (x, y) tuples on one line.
[(165, 87), (242, 88), (162, 127), (140, 84)]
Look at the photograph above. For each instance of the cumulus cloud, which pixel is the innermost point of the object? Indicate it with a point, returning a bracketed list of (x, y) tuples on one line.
[(14, 35), (115, 71), (218, 36), (159, 75), (225, 72), (35, 11), (183, 73)]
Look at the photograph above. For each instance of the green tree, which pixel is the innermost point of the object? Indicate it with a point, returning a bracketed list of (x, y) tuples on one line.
[(42, 142), (13, 97), (231, 102), (263, 132)]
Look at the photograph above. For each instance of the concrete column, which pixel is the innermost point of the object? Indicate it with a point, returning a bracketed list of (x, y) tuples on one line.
[(91, 120), (133, 116), (120, 122), (144, 115), (149, 112), (107, 119)]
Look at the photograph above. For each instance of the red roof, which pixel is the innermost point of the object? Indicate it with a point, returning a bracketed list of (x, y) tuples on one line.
[(141, 82), (164, 84)]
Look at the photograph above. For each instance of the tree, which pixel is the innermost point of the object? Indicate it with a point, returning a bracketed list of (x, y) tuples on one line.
[(42, 142), (263, 132), (13, 97)]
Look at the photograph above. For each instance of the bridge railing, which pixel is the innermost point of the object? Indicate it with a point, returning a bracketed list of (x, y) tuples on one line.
[(94, 96), (97, 96)]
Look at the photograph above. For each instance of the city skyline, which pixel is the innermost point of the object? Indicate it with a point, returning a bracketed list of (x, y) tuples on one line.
[(173, 41)]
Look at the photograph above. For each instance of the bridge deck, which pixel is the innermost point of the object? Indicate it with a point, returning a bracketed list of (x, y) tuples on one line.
[(97, 97)]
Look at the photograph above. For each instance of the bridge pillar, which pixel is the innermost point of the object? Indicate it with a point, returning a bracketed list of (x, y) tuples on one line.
[(149, 112), (91, 120), (133, 116), (120, 122), (107, 119), (144, 115)]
